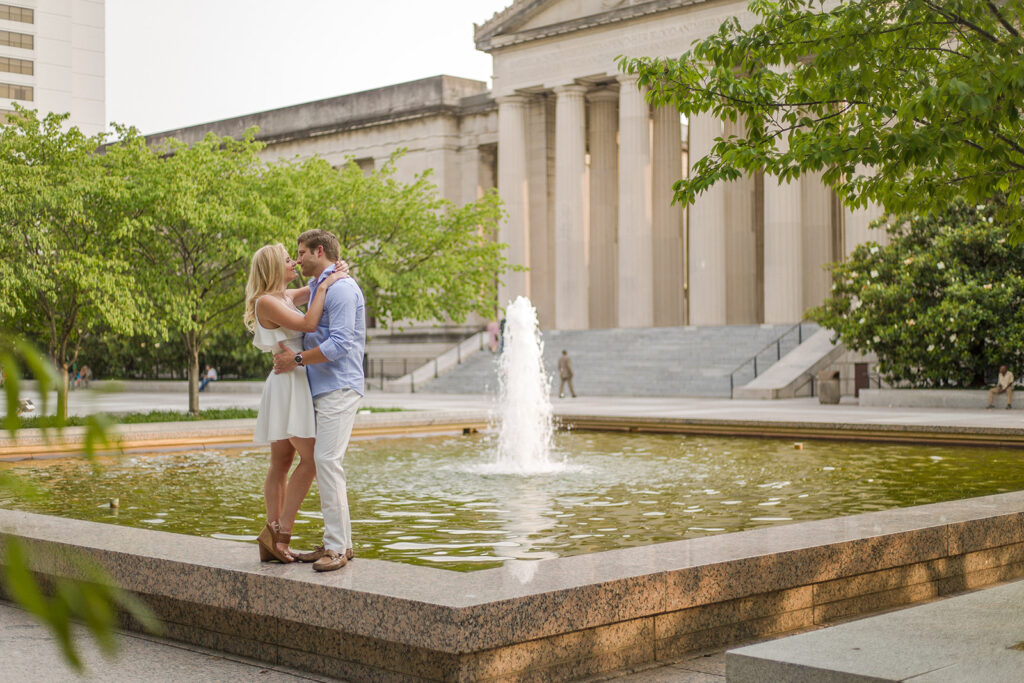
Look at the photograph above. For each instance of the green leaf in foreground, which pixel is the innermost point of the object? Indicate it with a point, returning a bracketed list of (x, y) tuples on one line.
[(94, 601)]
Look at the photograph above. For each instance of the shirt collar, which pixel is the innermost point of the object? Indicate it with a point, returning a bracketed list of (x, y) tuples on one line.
[(327, 271)]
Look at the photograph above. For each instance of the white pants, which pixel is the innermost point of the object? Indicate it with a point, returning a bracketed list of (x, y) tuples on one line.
[(335, 415)]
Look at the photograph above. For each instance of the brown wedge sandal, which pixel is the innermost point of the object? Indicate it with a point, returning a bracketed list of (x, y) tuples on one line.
[(286, 538), (268, 540)]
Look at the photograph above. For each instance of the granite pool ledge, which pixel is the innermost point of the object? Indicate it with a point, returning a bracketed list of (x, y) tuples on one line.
[(554, 619)]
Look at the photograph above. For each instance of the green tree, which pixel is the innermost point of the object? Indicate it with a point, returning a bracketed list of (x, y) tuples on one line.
[(416, 255), (63, 222), (904, 104), (200, 215), (940, 304)]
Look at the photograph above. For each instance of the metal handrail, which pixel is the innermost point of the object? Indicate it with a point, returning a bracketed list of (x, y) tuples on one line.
[(777, 343), (429, 365)]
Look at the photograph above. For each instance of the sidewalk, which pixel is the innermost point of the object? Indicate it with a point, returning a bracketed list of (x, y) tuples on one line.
[(788, 410), (31, 654)]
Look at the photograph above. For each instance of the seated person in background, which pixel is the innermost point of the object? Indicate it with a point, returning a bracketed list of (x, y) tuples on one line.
[(1003, 385), (211, 375)]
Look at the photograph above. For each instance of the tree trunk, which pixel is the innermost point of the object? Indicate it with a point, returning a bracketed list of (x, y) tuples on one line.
[(62, 396), (193, 374)]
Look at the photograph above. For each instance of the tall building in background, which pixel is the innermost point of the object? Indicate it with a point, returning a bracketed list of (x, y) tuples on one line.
[(52, 58)]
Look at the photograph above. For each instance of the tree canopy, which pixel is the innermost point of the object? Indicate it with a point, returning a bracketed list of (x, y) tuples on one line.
[(199, 215), (941, 305), (141, 243), (63, 225), (416, 255), (904, 104)]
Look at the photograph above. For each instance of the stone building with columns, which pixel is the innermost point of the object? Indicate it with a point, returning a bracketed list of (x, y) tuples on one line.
[(585, 167)]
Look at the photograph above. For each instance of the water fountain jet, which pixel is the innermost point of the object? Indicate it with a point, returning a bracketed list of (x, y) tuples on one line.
[(524, 439)]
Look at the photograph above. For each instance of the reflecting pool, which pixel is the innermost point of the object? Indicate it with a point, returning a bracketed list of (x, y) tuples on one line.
[(432, 501)]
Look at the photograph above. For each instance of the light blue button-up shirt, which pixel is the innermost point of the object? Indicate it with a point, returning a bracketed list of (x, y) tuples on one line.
[(341, 336)]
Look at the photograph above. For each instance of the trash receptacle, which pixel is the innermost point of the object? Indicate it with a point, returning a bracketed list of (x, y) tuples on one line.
[(828, 386)]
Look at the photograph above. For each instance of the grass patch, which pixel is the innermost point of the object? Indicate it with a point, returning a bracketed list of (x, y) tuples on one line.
[(145, 418), (162, 416)]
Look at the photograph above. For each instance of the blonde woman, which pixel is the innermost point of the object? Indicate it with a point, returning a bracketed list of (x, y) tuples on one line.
[(285, 420)]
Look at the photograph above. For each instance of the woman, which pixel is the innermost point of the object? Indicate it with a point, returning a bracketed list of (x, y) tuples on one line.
[(285, 418)]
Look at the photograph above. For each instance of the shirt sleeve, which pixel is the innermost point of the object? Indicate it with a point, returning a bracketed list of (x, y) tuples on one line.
[(341, 305)]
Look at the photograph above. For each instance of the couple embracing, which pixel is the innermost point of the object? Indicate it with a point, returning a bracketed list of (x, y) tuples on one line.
[(310, 399)]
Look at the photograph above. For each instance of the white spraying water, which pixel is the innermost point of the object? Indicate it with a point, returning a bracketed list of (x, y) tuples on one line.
[(524, 440)]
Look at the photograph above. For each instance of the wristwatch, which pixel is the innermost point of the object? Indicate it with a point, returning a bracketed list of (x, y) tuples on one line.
[(298, 359)]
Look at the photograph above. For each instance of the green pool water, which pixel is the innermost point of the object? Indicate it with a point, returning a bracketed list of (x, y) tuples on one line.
[(430, 501)]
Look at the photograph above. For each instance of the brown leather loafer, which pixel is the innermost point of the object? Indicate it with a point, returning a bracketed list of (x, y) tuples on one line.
[(330, 561), (317, 553), (311, 556)]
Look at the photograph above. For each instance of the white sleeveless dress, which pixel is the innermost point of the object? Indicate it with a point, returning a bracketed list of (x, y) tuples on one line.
[(286, 409)]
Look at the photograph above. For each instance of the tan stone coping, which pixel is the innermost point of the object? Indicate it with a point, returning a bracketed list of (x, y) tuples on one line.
[(34, 443), (552, 619), (834, 431)]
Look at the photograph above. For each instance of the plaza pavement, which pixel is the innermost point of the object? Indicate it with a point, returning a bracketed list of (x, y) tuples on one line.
[(35, 655), (789, 410)]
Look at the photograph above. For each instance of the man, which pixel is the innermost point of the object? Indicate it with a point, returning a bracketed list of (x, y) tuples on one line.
[(211, 375), (1003, 385), (333, 356), (565, 372)]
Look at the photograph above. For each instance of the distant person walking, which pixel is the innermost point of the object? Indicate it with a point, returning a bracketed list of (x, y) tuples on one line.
[(211, 376), (1004, 385), (565, 373), (493, 335)]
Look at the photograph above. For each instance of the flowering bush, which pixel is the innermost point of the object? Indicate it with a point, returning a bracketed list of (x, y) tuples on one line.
[(940, 305)]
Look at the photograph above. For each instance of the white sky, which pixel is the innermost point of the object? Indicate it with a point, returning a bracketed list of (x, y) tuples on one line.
[(174, 63)]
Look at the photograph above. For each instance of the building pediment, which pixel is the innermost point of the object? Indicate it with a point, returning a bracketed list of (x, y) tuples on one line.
[(527, 20)]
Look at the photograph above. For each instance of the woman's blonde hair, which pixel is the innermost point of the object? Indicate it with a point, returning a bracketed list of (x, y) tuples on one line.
[(266, 274)]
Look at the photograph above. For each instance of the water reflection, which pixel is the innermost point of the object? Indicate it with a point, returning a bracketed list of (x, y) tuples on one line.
[(425, 501)]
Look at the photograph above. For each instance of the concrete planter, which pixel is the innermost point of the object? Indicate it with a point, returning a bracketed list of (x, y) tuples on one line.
[(928, 398)]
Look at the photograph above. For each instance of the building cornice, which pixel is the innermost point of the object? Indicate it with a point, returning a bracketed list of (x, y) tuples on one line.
[(500, 30), (429, 97)]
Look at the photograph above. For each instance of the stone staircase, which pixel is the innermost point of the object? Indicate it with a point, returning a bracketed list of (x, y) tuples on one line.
[(659, 361)]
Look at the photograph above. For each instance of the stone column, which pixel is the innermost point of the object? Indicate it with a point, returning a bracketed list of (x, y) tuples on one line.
[(783, 251), (856, 222), (469, 175), (816, 219), (513, 186), (540, 169), (707, 286), (742, 303), (571, 308), (667, 223), (602, 136), (635, 282)]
